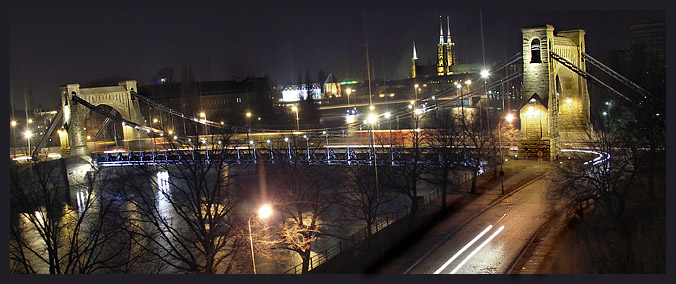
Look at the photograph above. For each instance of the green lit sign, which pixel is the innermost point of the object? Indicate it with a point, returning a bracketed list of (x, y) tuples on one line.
[(348, 83)]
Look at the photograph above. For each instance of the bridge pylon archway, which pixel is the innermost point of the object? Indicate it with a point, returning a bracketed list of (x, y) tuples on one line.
[(551, 92), (72, 134)]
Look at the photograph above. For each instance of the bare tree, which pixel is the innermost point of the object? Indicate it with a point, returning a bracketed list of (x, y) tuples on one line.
[(184, 214), (410, 165), (50, 233), (446, 143), (363, 198), (303, 194), (623, 226), (480, 142)]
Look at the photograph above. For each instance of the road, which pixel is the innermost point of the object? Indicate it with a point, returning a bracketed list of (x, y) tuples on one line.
[(489, 243)]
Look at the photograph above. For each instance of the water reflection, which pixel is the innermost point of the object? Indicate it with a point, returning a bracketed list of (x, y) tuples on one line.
[(163, 204)]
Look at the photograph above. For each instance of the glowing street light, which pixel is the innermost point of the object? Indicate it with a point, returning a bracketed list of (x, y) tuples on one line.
[(348, 91), (30, 120), (28, 135), (372, 118), (263, 213), (509, 117), (295, 108), (484, 73), (416, 92), (13, 123)]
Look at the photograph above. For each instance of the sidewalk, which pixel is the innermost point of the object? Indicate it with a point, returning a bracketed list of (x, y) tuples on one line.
[(389, 251)]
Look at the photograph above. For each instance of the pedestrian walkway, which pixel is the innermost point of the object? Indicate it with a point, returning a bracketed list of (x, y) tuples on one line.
[(395, 249)]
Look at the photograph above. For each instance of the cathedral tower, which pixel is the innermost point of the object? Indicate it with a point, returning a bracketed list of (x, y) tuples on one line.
[(450, 48), (414, 61), (445, 50), (441, 54)]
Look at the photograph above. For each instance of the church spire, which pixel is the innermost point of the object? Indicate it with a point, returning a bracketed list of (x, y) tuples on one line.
[(448, 25), (441, 30), (415, 56)]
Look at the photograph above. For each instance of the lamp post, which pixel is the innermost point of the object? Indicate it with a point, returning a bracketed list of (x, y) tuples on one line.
[(388, 115), (307, 143), (264, 212), (248, 115), (204, 122), (484, 75), (462, 112), (28, 135), (416, 91), (371, 119), (253, 144), (13, 124), (348, 91), (289, 149), (509, 118), (295, 108)]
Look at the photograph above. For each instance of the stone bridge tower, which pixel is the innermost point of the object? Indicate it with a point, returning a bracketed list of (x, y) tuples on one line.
[(556, 100), (72, 136)]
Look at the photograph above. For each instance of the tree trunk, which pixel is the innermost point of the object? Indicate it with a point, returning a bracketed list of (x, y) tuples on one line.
[(306, 261)]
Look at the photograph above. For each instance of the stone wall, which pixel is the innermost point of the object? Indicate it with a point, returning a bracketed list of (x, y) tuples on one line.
[(528, 149)]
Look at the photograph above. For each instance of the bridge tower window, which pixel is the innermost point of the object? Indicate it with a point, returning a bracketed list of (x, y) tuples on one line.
[(535, 51)]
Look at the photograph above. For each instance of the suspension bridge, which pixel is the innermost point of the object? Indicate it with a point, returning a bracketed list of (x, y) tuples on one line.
[(169, 135)]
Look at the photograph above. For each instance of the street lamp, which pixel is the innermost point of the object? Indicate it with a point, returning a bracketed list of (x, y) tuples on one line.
[(348, 91), (204, 121), (263, 213), (307, 143), (248, 115), (509, 118), (416, 92), (295, 108), (28, 135), (253, 144), (484, 75), (388, 115), (288, 144), (13, 124)]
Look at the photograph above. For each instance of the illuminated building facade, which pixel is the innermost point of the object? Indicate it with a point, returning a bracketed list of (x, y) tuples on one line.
[(563, 95)]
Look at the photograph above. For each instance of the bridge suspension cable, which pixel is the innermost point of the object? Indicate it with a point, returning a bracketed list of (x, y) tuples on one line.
[(619, 77), (585, 75)]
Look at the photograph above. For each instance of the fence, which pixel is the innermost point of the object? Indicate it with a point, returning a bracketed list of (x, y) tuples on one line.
[(322, 256)]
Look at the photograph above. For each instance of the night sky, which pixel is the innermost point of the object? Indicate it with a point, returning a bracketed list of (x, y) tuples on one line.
[(50, 48)]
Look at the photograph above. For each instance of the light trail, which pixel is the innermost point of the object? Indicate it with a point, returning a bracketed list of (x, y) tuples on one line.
[(463, 249), (602, 156), (477, 249)]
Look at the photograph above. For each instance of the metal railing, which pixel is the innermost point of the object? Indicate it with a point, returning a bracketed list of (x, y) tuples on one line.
[(355, 239)]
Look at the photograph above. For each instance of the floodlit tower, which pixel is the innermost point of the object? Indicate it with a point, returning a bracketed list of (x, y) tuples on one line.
[(450, 48), (441, 69), (414, 62)]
